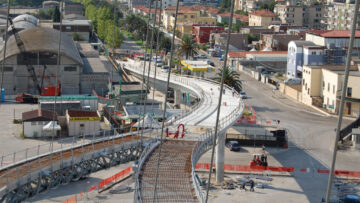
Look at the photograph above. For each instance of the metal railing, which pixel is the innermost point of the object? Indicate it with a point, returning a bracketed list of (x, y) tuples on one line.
[(205, 142), (32, 156), (148, 149)]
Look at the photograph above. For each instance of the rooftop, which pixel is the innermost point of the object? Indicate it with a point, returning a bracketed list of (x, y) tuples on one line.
[(333, 33), (94, 65), (39, 115), (263, 13), (242, 54), (82, 113), (43, 39), (74, 22), (301, 43)]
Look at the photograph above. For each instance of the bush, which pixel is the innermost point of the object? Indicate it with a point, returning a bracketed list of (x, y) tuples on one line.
[(22, 135)]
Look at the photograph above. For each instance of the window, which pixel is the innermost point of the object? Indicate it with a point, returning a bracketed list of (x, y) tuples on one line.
[(68, 27), (333, 89), (33, 123), (349, 91), (313, 53), (328, 87), (7, 69), (303, 81), (47, 58), (27, 58), (70, 68), (192, 16), (82, 125), (327, 101), (323, 85)]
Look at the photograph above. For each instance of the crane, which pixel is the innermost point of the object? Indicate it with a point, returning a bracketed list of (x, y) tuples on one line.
[(20, 45)]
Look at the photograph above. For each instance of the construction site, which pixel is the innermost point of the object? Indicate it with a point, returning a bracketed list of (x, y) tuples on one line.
[(82, 124)]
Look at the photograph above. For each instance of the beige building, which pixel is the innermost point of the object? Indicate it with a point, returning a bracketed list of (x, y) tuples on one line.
[(290, 14), (249, 5), (321, 86), (263, 18), (186, 15), (340, 15)]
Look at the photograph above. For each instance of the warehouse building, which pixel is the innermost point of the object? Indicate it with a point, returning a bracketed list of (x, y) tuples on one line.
[(81, 122), (75, 76)]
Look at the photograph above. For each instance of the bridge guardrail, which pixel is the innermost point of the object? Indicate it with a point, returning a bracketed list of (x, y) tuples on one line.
[(205, 142), (7, 178)]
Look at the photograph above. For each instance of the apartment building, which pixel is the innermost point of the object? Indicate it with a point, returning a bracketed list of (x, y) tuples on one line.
[(340, 15), (263, 18), (310, 16), (249, 5), (322, 85)]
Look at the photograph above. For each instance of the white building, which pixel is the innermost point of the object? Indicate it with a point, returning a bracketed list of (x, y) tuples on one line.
[(83, 122), (35, 121)]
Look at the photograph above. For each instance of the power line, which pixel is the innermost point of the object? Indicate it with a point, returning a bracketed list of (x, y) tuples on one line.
[(342, 100), (166, 97), (220, 98), (143, 78), (4, 52)]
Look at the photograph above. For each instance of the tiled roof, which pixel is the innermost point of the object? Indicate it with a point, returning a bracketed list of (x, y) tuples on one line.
[(243, 18), (80, 113), (263, 13), (39, 115), (333, 33), (212, 10), (242, 54), (226, 14)]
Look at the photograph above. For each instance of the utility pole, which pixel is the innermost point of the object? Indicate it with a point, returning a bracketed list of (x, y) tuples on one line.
[(342, 101)]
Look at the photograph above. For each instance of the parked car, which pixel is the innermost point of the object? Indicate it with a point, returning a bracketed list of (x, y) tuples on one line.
[(202, 56), (243, 95), (159, 64), (293, 81), (233, 146), (165, 69), (210, 63), (222, 58)]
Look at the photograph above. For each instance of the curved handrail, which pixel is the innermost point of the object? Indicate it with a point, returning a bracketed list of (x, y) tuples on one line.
[(204, 141)]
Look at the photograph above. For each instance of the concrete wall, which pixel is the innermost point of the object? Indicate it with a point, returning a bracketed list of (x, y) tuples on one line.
[(293, 91), (35, 129), (97, 81), (89, 127)]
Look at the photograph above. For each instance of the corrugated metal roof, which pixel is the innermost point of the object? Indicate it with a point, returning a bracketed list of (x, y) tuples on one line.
[(43, 39), (69, 97)]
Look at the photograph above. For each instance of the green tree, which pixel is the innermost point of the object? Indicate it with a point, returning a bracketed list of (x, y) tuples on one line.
[(165, 44), (231, 78), (77, 37), (270, 5), (236, 27), (226, 4), (188, 47), (241, 12), (252, 37), (110, 39), (56, 15)]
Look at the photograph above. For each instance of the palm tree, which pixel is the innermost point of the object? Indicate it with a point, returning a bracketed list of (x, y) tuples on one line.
[(231, 78), (188, 47)]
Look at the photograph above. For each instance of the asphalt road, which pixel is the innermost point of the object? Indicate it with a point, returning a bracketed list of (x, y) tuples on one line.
[(310, 133)]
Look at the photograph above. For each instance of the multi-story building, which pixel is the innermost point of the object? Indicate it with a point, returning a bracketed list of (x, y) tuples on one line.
[(263, 18), (278, 41), (201, 33), (322, 85), (334, 38), (290, 14), (340, 14), (249, 5), (307, 15), (186, 16)]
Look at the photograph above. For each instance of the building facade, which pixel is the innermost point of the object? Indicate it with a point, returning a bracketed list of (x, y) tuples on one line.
[(201, 33), (322, 85), (81, 122), (263, 18), (340, 15)]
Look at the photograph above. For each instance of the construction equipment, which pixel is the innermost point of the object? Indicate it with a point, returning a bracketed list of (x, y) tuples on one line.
[(26, 98), (49, 90), (20, 45)]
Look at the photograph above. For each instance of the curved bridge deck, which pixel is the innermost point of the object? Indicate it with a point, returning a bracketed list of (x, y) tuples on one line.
[(174, 180)]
